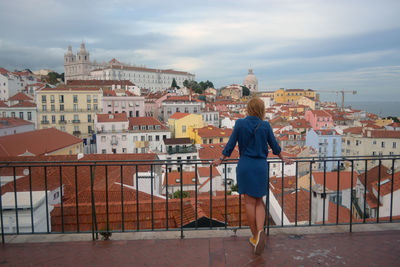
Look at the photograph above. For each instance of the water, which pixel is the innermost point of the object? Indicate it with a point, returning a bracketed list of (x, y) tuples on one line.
[(383, 109)]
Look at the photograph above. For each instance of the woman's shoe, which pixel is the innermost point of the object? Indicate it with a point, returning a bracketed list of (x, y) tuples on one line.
[(253, 241), (259, 247)]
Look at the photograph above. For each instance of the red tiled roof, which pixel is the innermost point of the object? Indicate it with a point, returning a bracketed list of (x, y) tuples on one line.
[(178, 115), (383, 134), (3, 104), (188, 178), (37, 142), (386, 184), (212, 131), (344, 214), (320, 113), (99, 83), (145, 121), (289, 205), (205, 172), (353, 130), (331, 180), (177, 141), (115, 117), (211, 151), (394, 124), (13, 122), (3, 71), (24, 104), (20, 97)]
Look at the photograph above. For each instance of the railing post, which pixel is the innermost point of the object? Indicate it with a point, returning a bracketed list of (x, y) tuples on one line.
[(181, 183), (16, 201), (1, 214), (365, 189), (324, 199), (30, 199), (309, 207), (107, 211), (379, 191), (211, 193), (337, 192), (62, 202), (122, 199), (391, 192), (137, 197), (152, 197), (76, 198), (283, 181), (47, 200), (226, 202), (297, 186), (351, 196), (166, 195)]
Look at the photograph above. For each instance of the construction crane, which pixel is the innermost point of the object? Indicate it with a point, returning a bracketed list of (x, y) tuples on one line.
[(339, 92)]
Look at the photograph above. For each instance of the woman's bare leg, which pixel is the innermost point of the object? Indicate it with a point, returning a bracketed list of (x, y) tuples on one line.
[(260, 214), (250, 204)]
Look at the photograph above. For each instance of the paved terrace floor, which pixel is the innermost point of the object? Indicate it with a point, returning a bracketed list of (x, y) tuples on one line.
[(368, 245)]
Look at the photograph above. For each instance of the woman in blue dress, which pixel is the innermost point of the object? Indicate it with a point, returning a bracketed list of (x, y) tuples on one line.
[(253, 135)]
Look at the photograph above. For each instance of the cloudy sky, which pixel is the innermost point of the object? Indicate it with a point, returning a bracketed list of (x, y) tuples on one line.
[(318, 44)]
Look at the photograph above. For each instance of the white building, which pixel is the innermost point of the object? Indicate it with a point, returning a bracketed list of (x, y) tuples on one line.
[(112, 133), (79, 67), (119, 101), (146, 134), (251, 82), (25, 212)]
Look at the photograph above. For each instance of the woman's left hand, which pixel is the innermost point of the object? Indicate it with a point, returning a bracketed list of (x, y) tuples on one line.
[(216, 162)]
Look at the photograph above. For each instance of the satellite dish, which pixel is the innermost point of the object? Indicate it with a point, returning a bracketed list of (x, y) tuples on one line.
[(26, 172)]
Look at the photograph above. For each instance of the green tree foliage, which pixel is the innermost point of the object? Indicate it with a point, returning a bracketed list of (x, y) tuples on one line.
[(234, 188), (174, 84), (246, 91), (177, 194), (395, 119), (198, 87), (52, 77)]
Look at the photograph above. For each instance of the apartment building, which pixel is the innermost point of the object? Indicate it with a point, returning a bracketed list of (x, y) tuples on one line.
[(185, 104), (180, 124), (123, 101), (71, 110)]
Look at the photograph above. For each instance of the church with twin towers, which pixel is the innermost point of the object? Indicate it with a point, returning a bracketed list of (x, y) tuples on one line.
[(79, 67)]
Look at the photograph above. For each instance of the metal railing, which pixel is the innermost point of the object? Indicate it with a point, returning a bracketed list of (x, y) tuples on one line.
[(96, 197)]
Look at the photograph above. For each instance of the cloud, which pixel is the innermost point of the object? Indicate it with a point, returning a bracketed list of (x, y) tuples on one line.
[(285, 41)]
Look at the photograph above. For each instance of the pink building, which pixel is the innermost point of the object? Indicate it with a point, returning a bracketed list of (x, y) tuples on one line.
[(319, 119), (121, 101)]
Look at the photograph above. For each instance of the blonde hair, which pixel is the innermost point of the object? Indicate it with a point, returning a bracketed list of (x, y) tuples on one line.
[(256, 107)]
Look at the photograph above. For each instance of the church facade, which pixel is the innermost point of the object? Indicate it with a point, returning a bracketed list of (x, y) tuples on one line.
[(251, 82), (79, 67)]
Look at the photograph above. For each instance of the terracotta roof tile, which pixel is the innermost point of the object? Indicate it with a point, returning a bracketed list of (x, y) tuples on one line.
[(140, 121), (210, 151), (20, 97), (115, 117), (37, 142), (212, 131), (178, 115), (331, 180), (99, 83), (13, 122)]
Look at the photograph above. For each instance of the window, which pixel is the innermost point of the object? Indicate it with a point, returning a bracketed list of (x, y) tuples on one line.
[(88, 99), (43, 99), (53, 108), (150, 138), (394, 144), (158, 127), (75, 98), (44, 118), (142, 138), (143, 127), (183, 128), (61, 98), (62, 118), (75, 107), (109, 104), (21, 115), (29, 116), (95, 107), (221, 140), (95, 99), (76, 117), (124, 138), (157, 138), (44, 108), (383, 144), (61, 107), (89, 106), (53, 119), (123, 150), (89, 117), (103, 151), (52, 98), (374, 142), (103, 139)]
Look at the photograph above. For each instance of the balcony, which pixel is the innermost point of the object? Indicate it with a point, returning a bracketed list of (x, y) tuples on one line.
[(179, 149), (114, 142), (76, 121), (45, 122), (94, 202), (76, 132), (62, 122)]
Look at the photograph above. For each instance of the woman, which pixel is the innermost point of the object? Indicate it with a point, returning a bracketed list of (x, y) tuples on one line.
[(253, 135)]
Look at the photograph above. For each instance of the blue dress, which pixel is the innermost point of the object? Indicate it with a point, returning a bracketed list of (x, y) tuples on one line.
[(252, 170)]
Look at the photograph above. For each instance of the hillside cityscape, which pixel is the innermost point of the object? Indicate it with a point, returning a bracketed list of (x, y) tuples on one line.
[(128, 114)]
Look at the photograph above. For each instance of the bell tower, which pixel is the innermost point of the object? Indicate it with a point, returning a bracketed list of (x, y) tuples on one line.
[(83, 62)]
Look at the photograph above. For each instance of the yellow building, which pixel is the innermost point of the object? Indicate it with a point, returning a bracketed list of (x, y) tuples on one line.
[(210, 135), (306, 101), (292, 95), (383, 122), (70, 110), (179, 124)]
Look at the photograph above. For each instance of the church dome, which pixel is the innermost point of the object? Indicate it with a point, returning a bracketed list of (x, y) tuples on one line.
[(250, 81)]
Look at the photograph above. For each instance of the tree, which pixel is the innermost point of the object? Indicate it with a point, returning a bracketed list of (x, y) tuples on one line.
[(395, 119), (52, 77), (177, 194), (245, 90), (174, 84), (234, 188)]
